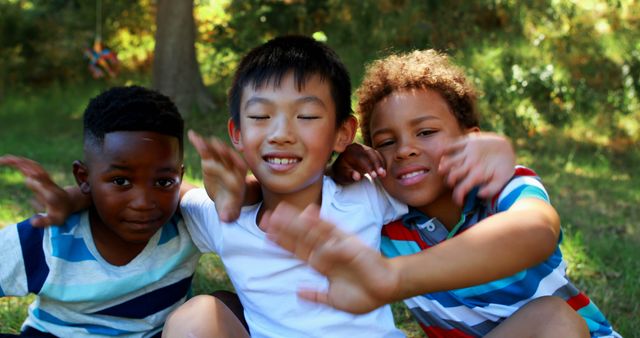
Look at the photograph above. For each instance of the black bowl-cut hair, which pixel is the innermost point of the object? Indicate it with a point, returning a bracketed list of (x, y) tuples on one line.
[(131, 108), (305, 57)]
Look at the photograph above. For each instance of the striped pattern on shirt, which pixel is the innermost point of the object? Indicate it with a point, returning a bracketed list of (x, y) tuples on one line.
[(79, 294), (474, 311)]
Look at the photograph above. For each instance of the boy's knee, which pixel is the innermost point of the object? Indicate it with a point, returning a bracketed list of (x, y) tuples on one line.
[(203, 316), (191, 319), (543, 317), (556, 318)]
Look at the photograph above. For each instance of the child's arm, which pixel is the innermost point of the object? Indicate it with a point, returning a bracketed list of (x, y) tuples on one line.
[(484, 159), (58, 203), (225, 177), (361, 279)]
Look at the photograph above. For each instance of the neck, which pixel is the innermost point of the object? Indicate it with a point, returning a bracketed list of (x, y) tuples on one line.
[(111, 247), (300, 199), (444, 209)]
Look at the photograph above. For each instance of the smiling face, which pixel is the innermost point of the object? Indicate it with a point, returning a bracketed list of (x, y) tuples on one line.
[(134, 180), (288, 134), (410, 128)]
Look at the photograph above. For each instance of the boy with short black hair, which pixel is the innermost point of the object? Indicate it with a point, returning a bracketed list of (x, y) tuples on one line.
[(290, 105), (121, 267), (455, 285)]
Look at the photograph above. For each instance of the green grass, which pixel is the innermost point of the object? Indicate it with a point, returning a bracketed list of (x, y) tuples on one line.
[(592, 187)]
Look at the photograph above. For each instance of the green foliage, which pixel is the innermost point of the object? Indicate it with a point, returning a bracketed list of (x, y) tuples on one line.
[(593, 187), (538, 63)]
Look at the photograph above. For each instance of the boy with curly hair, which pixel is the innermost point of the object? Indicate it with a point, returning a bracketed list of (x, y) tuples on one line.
[(411, 106)]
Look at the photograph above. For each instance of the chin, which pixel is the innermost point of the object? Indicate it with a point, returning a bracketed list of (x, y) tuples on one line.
[(138, 238)]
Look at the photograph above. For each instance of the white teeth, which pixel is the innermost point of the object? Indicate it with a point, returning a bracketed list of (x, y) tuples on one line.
[(412, 174), (274, 160)]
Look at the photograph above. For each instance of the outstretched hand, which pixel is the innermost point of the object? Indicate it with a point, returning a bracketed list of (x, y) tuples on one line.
[(360, 279), (48, 196), (478, 159), (355, 161), (223, 172)]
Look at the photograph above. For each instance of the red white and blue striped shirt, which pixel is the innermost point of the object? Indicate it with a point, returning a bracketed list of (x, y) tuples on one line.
[(474, 311)]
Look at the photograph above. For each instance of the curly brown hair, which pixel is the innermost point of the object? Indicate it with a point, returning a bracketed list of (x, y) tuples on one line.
[(420, 69)]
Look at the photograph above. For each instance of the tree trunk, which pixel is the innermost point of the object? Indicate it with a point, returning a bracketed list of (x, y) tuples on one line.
[(175, 69)]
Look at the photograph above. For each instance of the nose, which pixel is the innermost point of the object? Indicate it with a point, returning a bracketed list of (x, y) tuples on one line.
[(406, 149), (142, 199), (282, 130)]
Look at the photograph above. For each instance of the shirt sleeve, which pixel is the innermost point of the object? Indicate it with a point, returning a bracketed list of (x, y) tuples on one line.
[(24, 268), (389, 208), (524, 184), (201, 218)]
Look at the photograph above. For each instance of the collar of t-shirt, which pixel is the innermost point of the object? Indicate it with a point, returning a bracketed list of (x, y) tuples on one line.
[(432, 230)]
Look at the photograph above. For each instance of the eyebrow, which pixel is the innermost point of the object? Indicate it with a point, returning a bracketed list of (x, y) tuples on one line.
[(305, 99), (116, 167), (412, 122)]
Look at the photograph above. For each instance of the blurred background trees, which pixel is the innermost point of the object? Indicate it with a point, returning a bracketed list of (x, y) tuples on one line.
[(539, 64), (562, 77)]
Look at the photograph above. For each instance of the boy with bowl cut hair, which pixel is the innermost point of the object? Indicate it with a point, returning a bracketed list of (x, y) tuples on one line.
[(290, 110), (119, 268)]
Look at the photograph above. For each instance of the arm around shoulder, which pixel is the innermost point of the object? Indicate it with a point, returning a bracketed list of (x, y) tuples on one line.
[(498, 246)]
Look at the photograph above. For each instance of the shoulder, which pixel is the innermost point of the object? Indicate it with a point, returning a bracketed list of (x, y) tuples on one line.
[(525, 183), (362, 190)]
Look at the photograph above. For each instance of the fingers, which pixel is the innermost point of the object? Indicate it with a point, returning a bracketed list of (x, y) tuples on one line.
[(367, 160), (314, 296), (375, 163), (499, 177), (356, 161), (27, 167), (42, 221), (463, 187), (285, 227), (301, 233), (457, 167), (215, 154)]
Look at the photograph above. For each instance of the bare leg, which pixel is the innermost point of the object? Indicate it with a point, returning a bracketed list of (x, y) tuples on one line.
[(543, 317), (203, 316)]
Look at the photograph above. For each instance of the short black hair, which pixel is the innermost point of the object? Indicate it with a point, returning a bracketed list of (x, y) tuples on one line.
[(131, 108), (302, 54)]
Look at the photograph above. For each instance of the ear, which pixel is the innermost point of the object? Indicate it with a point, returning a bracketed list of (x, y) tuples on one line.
[(346, 134), (81, 173), (234, 135), (472, 130)]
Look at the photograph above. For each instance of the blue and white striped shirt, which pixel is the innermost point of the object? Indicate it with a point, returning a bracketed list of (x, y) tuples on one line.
[(79, 294)]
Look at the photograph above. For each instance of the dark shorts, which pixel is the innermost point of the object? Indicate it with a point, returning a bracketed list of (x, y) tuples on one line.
[(30, 332), (231, 300)]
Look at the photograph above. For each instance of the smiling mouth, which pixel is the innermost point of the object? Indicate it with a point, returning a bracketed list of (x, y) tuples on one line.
[(282, 160), (412, 174), (412, 177)]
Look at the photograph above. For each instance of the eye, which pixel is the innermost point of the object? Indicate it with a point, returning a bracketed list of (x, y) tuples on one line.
[(121, 181), (258, 117), (383, 143), (308, 117), (426, 132), (165, 182)]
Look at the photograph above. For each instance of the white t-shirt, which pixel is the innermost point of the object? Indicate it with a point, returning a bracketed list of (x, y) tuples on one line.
[(266, 277)]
